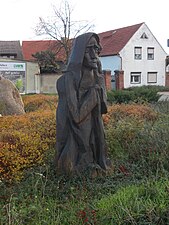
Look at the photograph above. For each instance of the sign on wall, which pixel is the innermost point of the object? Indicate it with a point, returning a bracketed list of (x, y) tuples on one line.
[(15, 72)]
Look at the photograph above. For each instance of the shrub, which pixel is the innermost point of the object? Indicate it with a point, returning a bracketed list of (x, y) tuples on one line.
[(39, 102), (137, 141), (24, 142), (161, 107), (136, 94), (136, 134), (120, 96), (151, 146), (117, 112), (146, 93), (19, 84), (143, 88), (119, 136)]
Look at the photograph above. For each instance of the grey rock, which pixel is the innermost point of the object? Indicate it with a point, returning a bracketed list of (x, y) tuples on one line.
[(10, 99)]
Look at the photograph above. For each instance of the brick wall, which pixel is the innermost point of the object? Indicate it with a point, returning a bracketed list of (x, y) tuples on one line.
[(119, 77), (107, 78)]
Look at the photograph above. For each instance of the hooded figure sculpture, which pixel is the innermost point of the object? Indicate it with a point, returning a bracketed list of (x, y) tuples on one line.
[(82, 101)]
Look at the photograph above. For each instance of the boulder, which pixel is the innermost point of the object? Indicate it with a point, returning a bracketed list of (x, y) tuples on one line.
[(10, 99)]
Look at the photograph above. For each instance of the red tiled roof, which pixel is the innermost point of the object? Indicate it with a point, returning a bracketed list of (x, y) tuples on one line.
[(32, 47), (114, 40)]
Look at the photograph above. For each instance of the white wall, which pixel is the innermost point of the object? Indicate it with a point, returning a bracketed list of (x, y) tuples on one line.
[(48, 82), (129, 64), (32, 69)]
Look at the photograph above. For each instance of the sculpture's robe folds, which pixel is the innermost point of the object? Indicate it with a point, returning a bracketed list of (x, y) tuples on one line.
[(80, 131)]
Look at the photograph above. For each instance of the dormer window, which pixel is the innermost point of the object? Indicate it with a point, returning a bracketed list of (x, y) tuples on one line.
[(138, 53), (144, 36)]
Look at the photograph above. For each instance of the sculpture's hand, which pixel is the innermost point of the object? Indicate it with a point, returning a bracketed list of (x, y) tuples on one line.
[(98, 89), (97, 86)]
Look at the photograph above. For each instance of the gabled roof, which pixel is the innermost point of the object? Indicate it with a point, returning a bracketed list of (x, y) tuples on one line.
[(31, 47), (113, 41), (11, 48)]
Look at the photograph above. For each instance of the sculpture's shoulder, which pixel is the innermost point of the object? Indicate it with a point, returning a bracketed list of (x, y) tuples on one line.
[(60, 83), (61, 79)]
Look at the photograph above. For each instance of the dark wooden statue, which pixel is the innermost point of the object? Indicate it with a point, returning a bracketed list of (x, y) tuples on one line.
[(82, 101)]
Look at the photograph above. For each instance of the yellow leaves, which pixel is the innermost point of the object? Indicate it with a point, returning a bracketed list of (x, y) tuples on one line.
[(24, 140), (39, 102)]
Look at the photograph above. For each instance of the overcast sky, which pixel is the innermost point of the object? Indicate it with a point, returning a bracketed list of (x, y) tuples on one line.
[(19, 17)]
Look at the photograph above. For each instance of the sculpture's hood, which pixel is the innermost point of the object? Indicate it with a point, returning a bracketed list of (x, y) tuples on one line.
[(78, 50), (77, 54)]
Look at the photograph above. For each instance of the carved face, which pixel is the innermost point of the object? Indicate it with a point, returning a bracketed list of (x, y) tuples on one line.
[(91, 54)]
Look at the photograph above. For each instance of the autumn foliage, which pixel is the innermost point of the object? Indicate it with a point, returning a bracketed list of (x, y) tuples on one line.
[(25, 139), (39, 102), (121, 111)]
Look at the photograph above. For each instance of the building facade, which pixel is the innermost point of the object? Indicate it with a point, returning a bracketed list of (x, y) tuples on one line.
[(21, 73), (135, 51), (132, 55)]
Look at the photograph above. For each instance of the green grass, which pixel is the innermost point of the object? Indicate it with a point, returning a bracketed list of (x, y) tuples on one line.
[(43, 198), (146, 203), (136, 193)]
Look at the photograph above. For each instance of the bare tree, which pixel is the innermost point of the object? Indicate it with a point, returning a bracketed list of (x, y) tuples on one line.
[(62, 28)]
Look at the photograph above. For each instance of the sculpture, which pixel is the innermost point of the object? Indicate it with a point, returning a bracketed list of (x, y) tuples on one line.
[(82, 101)]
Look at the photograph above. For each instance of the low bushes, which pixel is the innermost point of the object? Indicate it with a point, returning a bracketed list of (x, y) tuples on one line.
[(124, 125), (138, 135), (139, 111), (39, 102), (26, 139), (136, 94), (139, 141), (120, 96), (136, 193)]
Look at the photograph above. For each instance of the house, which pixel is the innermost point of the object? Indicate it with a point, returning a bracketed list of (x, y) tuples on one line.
[(46, 80), (134, 56), (11, 49), (16, 69), (130, 56)]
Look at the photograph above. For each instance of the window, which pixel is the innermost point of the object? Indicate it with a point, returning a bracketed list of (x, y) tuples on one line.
[(137, 52), (144, 36), (135, 78), (7, 55), (152, 77), (150, 53)]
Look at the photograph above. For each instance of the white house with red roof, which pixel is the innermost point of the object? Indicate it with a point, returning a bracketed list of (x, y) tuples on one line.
[(131, 53), (136, 52)]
